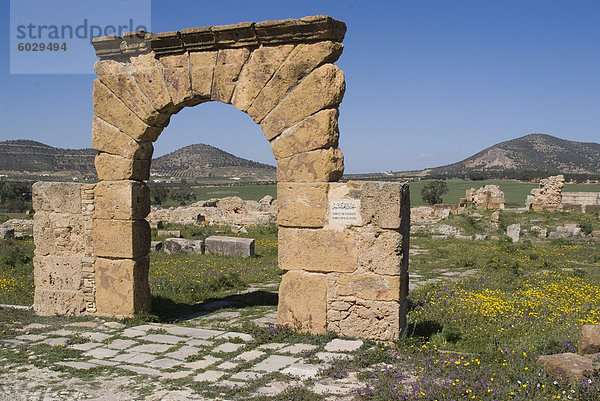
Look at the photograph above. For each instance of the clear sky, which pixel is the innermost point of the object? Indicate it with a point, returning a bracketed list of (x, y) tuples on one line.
[(428, 82)]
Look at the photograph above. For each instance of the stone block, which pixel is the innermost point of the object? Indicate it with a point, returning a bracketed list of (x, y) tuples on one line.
[(373, 287), (300, 62), (227, 69), (59, 197), (121, 200), (203, 66), (303, 300), (6, 233), (122, 286), (385, 205), (156, 245), (513, 231), (381, 252), (261, 66), (308, 29), (589, 339), (229, 246), (318, 131), (302, 204), (176, 70), (115, 168), (375, 320), (111, 109), (117, 76), (182, 245), (317, 250), (317, 165), (323, 88), (569, 367), (121, 238), (169, 233), (147, 72), (60, 233), (109, 139), (58, 273), (48, 302)]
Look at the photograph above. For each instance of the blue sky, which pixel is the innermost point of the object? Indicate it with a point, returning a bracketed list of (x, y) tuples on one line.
[(428, 82)]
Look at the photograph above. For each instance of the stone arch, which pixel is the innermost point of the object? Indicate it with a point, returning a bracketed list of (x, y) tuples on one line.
[(281, 73)]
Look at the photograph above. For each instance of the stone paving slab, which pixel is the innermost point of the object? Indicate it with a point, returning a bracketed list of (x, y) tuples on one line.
[(31, 337), (245, 375), (132, 333), (202, 364), (78, 365), (274, 363), (337, 345), (164, 363), (142, 370), (297, 348), (228, 347), (227, 365), (330, 356), (90, 325), (249, 355), (134, 357), (150, 348), (95, 336), (209, 376), (183, 352), (197, 333), (86, 346), (101, 353), (241, 336), (162, 338), (121, 344), (55, 342), (302, 370), (102, 362)]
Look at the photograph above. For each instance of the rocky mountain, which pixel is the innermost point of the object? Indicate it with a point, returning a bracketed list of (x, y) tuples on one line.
[(535, 152), (24, 157), (207, 161)]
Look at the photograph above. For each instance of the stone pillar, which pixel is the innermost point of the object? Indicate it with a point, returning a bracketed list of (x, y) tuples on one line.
[(345, 249), (64, 259)]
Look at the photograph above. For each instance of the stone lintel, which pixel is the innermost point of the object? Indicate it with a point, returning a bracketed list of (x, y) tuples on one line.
[(246, 34)]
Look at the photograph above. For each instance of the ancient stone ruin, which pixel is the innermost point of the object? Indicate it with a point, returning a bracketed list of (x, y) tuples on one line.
[(488, 197), (344, 246), (548, 196)]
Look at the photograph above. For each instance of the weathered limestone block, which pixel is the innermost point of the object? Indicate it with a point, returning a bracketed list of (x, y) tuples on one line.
[(376, 320), (373, 287), (318, 131), (311, 28), (385, 205), (117, 76), (589, 339), (169, 233), (121, 238), (327, 81), (317, 250), (156, 245), (235, 35), (108, 138), (548, 196), (303, 300), (317, 165), (568, 366), (58, 272), (229, 246), (228, 67), (148, 74), (59, 197), (513, 231), (182, 245), (302, 204), (122, 200), (6, 232), (122, 286), (111, 109), (176, 70), (380, 251), (301, 61), (202, 68), (261, 66), (114, 168), (47, 302), (59, 234)]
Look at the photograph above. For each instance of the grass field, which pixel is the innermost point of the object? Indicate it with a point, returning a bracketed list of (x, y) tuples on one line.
[(247, 192), (515, 191)]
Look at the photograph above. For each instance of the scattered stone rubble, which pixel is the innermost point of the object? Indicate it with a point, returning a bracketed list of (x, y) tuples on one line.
[(575, 368), (16, 228), (225, 211), (427, 214), (488, 197)]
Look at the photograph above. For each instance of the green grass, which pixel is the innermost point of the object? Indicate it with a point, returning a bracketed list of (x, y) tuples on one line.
[(16, 272), (515, 191), (246, 192)]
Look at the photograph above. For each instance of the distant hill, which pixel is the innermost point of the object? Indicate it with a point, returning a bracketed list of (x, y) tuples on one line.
[(23, 157), (207, 161), (535, 152)]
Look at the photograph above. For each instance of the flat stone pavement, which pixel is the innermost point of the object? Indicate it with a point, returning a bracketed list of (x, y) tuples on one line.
[(200, 359)]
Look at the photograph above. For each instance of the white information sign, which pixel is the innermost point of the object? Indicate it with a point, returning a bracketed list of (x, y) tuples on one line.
[(345, 211)]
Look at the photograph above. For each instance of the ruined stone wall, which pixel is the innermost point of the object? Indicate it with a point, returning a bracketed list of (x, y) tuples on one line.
[(345, 250), (576, 200), (548, 196), (63, 263), (488, 197)]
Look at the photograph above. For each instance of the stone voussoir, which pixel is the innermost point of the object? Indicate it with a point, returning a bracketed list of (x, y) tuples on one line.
[(110, 139), (320, 165)]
